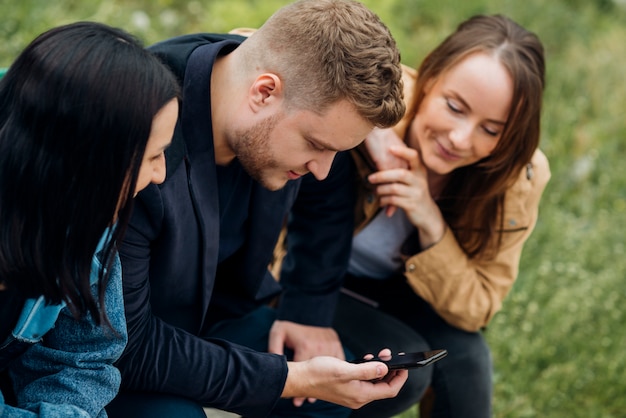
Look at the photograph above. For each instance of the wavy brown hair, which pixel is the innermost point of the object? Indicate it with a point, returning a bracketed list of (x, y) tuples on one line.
[(473, 199)]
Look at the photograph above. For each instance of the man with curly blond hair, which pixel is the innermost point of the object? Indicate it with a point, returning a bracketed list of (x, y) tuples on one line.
[(259, 116)]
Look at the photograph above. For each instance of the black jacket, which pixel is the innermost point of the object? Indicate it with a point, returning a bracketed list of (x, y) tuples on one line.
[(173, 288)]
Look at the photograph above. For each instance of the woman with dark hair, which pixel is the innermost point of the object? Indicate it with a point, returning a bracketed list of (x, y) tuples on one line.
[(85, 115), (442, 214)]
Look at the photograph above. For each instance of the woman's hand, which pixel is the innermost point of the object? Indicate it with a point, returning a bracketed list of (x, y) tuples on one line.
[(407, 188), (378, 144)]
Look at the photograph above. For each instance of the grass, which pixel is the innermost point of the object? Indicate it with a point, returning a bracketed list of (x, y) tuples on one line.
[(558, 341)]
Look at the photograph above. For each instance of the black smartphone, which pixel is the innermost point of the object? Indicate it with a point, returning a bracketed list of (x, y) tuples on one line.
[(409, 360)]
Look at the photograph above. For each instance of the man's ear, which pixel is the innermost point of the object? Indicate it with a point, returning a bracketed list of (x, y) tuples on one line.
[(267, 89)]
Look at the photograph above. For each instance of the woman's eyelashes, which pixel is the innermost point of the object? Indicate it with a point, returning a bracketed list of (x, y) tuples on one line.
[(491, 132), (458, 109), (454, 106)]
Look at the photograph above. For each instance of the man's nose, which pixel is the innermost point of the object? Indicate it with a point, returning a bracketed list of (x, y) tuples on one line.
[(320, 166)]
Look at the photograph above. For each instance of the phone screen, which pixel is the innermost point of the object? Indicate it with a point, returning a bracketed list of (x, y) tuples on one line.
[(410, 360)]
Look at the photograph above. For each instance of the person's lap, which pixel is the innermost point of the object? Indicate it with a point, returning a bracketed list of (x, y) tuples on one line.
[(462, 382), (367, 330), (252, 331)]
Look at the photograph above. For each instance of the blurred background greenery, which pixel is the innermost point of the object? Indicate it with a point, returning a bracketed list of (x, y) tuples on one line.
[(558, 343)]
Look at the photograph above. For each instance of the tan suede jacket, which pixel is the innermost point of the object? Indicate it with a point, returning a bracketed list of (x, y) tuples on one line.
[(465, 292)]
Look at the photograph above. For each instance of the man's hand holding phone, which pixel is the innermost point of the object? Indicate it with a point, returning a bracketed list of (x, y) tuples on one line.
[(344, 383)]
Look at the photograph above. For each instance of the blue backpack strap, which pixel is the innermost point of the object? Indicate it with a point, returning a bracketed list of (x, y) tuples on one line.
[(37, 317)]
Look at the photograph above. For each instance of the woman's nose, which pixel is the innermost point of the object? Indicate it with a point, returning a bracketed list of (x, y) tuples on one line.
[(461, 136)]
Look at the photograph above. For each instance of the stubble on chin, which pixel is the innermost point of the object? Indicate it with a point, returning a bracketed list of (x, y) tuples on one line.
[(253, 150)]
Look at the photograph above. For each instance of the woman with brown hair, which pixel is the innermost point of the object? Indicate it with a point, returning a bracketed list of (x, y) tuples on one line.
[(442, 214)]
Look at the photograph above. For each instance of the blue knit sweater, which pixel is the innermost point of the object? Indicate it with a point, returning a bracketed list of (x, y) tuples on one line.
[(67, 369)]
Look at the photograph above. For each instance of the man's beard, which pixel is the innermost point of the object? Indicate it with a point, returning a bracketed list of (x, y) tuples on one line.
[(252, 148)]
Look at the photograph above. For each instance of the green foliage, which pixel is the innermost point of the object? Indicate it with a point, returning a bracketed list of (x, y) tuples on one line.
[(557, 343)]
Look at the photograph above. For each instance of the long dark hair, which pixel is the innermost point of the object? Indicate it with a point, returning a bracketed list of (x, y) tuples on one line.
[(76, 110), (473, 199)]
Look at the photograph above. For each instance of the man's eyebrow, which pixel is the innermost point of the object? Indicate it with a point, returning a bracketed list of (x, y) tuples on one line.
[(320, 143)]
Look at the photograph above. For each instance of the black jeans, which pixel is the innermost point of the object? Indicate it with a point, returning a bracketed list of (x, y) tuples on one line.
[(462, 382)]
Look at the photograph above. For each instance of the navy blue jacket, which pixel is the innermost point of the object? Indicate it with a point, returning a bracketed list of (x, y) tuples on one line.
[(175, 290)]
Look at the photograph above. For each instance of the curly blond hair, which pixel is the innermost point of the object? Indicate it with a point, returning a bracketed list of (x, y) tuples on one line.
[(329, 50)]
